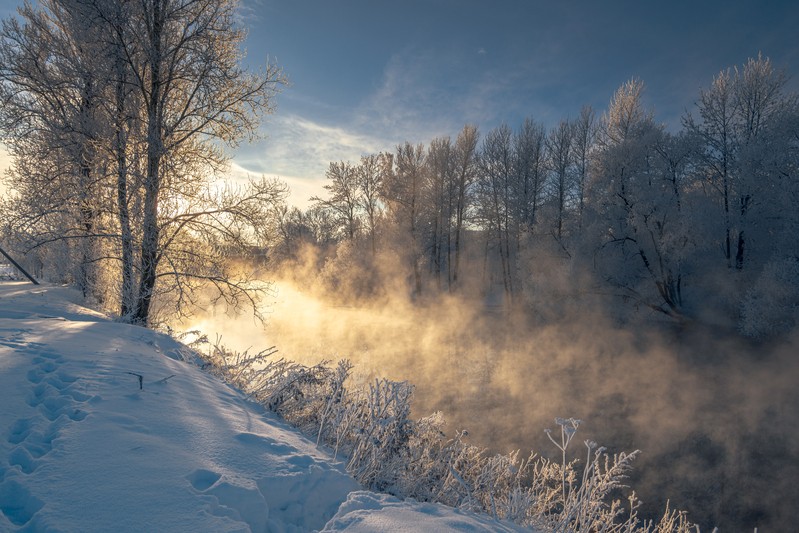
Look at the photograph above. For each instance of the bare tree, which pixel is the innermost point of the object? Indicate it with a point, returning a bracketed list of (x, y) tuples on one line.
[(345, 199), (439, 189), (583, 143), (370, 174), (529, 173), (402, 191), (495, 197), (466, 169), (559, 151)]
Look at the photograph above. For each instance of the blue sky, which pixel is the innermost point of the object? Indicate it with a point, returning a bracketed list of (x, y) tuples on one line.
[(368, 74)]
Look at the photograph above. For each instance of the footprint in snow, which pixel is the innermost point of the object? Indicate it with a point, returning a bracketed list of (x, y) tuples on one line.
[(35, 375), (269, 445), (202, 480), (21, 458), (55, 399), (43, 355), (17, 503), (41, 392), (20, 430), (231, 499), (17, 342), (48, 365)]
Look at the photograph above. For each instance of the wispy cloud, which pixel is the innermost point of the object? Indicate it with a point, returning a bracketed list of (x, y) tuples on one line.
[(298, 150), (301, 189), (420, 96), (426, 93)]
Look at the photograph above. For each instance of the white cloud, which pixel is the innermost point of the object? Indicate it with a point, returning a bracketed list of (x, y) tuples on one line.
[(301, 188), (299, 150)]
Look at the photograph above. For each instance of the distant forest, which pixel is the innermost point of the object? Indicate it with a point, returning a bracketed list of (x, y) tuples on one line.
[(606, 208)]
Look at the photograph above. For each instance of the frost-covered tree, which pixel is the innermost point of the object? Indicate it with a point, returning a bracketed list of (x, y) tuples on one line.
[(344, 200), (494, 199), (140, 100), (560, 151), (185, 56), (771, 305), (465, 162), (759, 103), (735, 119), (717, 147), (402, 191), (53, 123), (636, 193)]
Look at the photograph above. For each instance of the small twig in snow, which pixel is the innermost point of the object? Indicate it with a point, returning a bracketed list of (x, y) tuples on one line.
[(141, 379)]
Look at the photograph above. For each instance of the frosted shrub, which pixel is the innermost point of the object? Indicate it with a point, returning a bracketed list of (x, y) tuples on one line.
[(425, 468), (294, 391), (387, 451), (336, 417), (380, 445)]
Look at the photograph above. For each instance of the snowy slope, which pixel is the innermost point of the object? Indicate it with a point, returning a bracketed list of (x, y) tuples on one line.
[(82, 448)]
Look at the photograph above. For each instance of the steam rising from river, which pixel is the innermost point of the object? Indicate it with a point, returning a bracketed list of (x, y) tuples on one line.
[(715, 416)]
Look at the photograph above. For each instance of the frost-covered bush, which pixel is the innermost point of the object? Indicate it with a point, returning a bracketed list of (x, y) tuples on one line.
[(386, 450), (771, 306)]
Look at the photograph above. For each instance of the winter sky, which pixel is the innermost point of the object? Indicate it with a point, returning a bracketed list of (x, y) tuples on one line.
[(366, 75)]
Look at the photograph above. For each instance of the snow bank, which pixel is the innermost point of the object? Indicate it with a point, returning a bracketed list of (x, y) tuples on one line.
[(104, 427), (367, 512)]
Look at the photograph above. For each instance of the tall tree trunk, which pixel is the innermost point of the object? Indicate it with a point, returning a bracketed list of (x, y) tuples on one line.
[(86, 159), (152, 183), (459, 208), (149, 245), (123, 213), (727, 224), (739, 255)]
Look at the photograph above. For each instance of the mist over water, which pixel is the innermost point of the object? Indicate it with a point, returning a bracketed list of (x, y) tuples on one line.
[(715, 415)]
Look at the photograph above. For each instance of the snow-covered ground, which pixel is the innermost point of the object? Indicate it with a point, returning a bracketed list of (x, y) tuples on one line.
[(84, 448)]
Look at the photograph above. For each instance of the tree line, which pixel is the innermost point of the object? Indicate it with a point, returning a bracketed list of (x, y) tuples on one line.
[(698, 221)]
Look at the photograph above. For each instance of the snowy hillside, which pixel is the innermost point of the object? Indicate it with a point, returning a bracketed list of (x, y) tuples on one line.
[(84, 448)]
